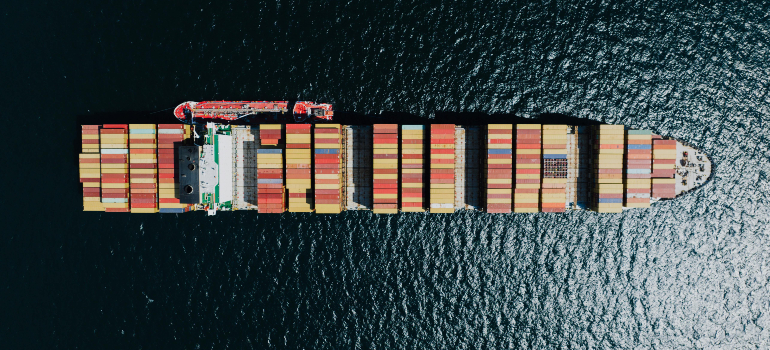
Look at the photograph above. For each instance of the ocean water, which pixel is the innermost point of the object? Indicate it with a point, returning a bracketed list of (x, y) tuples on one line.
[(690, 273)]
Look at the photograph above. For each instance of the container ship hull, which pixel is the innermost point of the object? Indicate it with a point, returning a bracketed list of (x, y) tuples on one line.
[(329, 168)]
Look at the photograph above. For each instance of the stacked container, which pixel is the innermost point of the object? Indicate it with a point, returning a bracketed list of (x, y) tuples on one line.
[(327, 174), (527, 192), (412, 168), (143, 168), (442, 163), (499, 168), (168, 177), (664, 168), (554, 195), (114, 167), (610, 141), (90, 169), (385, 168), (270, 189), (638, 168), (298, 167)]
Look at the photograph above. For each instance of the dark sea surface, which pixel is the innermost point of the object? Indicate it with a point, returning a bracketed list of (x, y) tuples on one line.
[(689, 273)]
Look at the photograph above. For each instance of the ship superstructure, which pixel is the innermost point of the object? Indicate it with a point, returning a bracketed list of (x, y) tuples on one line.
[(388, 168)]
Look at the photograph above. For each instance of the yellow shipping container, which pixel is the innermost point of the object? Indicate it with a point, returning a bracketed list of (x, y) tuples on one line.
[(499, 146), (442, 186), (115, 205), (500, 126), (411, 161), (498, 200), (442, 210), (500, 182), (527, 151), (89, 137), (525, 210), (610, 188), (639, 137), (442, 166), (528, 196), (327, 186), (272, 126), (92, 206), (638, 182), (554, 181), (443, 146), (554, 151), (528, 126), (393, 146), (527, 166), (327, 209), (663, 181), (499, 161), (442, 156), (141, 161), (412, 185), (92, 184), (499, 191), (610, 181), (142, 181), (143, 210), (528, 186), (385, 176), (172, 205), (142, 126), (89, 166)]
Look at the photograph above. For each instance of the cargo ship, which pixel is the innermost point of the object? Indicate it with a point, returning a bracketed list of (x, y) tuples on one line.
[(207, 164)]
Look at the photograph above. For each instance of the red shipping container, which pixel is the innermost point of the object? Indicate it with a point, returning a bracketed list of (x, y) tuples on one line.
[(411, 141), (326, 181), (499, 186), (386, 185)]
